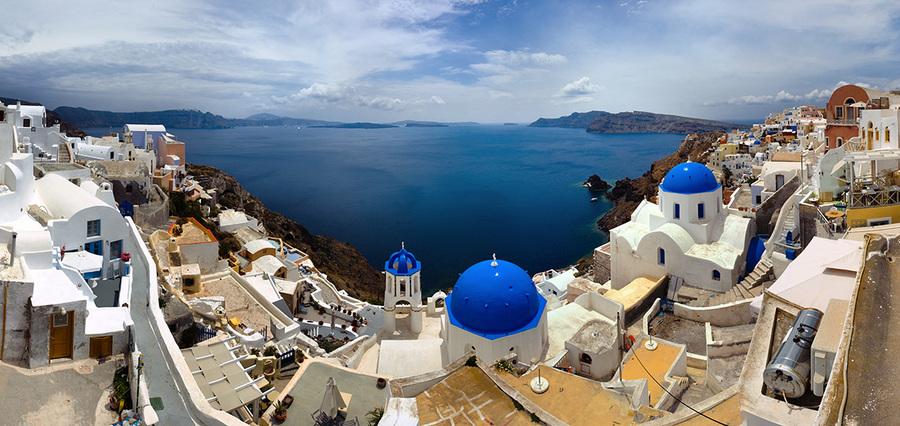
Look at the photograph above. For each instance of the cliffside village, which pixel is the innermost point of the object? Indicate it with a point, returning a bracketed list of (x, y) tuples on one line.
[(754, 289)]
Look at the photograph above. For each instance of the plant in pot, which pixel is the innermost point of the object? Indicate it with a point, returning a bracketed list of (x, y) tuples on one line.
[(280, 414)]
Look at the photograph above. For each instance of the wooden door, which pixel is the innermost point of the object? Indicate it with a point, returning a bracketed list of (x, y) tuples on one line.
[(101, 346), (61, 327)]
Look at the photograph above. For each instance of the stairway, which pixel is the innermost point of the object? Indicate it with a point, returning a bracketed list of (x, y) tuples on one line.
[(65, 153)]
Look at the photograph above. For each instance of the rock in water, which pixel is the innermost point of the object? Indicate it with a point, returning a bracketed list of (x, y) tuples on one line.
[(595, 184)]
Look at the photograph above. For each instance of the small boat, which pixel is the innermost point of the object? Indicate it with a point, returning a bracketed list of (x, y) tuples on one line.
[(594, 199)]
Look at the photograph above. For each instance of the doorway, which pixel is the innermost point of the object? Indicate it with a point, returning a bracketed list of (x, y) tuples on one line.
[(61, 328)]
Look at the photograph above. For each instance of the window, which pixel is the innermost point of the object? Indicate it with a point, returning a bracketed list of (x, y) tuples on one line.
[(662, 256), (838, 113), (26, 122), (779, 181), (585, 358), (717, 276), (112, 155), (887, 135), (758, 199), (677, 213), (95, 247), (115, 249), (60, 320), (93, 228), (700, 212)]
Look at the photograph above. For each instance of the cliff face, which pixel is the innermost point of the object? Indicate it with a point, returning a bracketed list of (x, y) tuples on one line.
[(648, 122), (628, 193), (343, 263), (636, 122), (178, 119)]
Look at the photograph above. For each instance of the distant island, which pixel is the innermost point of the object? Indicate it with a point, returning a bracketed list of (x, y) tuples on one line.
[(426, 125), (510, 124), (636, 122), (357, 126), (195, 119), (176, 119)]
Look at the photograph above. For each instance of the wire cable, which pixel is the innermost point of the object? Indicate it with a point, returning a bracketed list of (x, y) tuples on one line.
[(634, 354)]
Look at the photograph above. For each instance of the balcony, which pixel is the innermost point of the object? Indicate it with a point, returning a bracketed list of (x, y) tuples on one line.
[(874, 196), (843, 122)]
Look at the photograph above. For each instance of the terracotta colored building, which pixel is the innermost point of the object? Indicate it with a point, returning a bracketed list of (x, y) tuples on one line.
[(842, 112)]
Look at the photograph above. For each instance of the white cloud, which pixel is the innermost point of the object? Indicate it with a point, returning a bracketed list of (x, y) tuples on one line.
[(578, 88), (782, 96)]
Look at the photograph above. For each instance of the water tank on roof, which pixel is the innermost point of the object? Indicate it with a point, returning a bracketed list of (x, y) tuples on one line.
[(788, 373)]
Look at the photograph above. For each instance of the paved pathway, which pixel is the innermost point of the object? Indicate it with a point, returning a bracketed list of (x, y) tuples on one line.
[(174, 411), (71, 393)]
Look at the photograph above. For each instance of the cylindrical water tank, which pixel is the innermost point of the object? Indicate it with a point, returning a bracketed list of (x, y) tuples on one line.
[(788, 373)]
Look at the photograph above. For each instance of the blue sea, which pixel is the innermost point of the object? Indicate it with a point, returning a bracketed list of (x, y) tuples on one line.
[(454, 195)]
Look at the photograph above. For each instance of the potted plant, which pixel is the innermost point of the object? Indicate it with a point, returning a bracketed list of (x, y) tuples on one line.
[(280, 414), (125, 257)]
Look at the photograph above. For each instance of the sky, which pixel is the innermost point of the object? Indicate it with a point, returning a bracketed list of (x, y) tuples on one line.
[(446, 60)]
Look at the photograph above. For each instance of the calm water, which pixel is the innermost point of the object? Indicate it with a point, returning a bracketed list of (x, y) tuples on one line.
[(454, 195)]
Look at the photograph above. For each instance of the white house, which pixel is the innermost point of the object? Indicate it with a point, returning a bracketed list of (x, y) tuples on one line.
[(687, 235), (143, 136), (65, 281)]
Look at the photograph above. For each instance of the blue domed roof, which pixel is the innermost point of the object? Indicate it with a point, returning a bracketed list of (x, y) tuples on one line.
[(689, 178), (402, 263), (494, 299)]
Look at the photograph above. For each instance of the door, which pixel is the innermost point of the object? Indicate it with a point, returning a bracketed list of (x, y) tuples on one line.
[(61, 327)]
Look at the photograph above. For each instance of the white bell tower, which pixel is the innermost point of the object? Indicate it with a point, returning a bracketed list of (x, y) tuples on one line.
[(403, 290)]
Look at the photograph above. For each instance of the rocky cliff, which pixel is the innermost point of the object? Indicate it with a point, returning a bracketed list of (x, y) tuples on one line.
[(628, 193), (343, 263)]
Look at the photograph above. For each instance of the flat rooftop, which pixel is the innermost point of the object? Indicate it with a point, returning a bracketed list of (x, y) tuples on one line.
[(191, 233), (468, 396), (651, 365), (574, 399), (360, 392)]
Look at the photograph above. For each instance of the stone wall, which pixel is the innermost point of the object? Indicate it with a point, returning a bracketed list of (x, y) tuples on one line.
[(16, 319), (764, 222), (154, 215), (602, 264)]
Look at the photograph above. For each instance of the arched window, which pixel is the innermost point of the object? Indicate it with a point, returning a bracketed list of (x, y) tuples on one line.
[(839, 142), (585, 358), (677, 213), (112, 155), (717, 276)]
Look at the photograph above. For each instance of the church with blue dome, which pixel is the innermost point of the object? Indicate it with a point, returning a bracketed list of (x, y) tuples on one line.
[(688, 233), (496, 310)]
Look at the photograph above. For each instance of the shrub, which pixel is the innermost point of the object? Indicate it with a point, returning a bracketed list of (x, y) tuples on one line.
[(472, 361)]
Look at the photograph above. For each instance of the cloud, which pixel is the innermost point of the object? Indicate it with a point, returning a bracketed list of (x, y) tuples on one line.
[(781, 96), (349, 96), (507, 67), (578, 88)]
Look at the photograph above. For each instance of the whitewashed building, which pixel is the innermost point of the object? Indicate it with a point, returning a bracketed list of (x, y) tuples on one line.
[(689, 234), (62, 267)]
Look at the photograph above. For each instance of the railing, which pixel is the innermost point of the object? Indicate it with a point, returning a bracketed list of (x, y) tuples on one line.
[(855, 146), (287, 358), (842, 122), (204, 334), (886, 196)]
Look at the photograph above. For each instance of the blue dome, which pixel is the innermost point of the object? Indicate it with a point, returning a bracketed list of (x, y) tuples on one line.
[(689, 178), (494, 299), (402, 263)]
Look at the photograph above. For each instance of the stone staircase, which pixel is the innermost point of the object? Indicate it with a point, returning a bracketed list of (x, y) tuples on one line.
[(65, 153), (750, 287)]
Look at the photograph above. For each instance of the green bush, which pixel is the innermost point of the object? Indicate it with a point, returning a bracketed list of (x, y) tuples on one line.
[(472, 361)]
